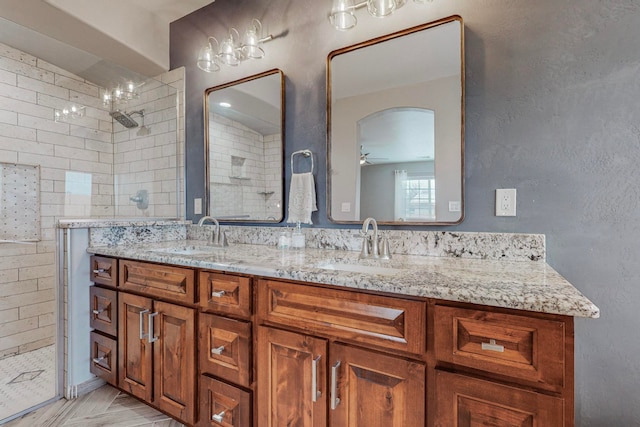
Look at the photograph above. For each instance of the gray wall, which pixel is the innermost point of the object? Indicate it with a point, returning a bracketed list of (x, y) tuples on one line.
[(551, 109)]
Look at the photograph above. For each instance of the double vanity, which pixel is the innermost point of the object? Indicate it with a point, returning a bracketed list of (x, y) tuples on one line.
[(252, 335), (449, 329)]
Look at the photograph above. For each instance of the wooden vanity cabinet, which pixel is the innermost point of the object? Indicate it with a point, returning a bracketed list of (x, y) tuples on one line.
[(306, 372), (501, 368), (103, 319), (225, 339), (226, 350), (156, 338)]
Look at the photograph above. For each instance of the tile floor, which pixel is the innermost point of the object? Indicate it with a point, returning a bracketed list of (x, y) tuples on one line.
[(26, 380), (103, 407)]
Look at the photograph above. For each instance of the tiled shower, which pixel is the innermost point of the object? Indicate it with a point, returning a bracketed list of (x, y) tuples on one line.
[(88, 167)]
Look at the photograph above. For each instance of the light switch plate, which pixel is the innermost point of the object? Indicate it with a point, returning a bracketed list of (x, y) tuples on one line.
[(197, 206)]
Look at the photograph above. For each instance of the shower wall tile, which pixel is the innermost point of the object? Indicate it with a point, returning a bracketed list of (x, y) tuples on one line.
[(75, 180), (76, 175)]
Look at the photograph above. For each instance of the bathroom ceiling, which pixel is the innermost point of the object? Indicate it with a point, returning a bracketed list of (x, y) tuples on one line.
[(95, 40)]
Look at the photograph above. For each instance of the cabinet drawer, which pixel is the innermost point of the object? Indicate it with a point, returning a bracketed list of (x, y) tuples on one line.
[(225, 293), (223, 405), (388, 322), (521, 347), (468, 402), (225, 348), (104, 310), (103, 270), (103, 357), (157, 280)]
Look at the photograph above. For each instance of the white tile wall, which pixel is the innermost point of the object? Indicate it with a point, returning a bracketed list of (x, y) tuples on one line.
[(244, 187), (30, 90)]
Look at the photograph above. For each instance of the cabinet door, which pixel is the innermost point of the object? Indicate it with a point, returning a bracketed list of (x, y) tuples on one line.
[(375, 390), (292, 379), (468, 402), (135, 373), (174, 360)]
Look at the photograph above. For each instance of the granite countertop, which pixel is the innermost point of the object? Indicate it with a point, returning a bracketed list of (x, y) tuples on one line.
[(533, 286)]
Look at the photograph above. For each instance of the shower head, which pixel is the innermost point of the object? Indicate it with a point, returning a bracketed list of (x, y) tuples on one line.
[(124, 118)]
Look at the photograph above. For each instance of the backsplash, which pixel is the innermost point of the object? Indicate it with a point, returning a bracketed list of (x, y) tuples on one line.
[(470, 245)]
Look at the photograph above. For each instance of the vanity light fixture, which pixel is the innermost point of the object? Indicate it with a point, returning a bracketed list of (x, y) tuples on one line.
[(232, 51), (343, 16)]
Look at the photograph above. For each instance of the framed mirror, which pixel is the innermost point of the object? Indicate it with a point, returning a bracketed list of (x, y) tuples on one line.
[(395, 127), (244, 137)]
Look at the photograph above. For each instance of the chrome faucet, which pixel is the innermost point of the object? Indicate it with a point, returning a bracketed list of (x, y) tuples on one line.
[(218, 237), (370, 244)]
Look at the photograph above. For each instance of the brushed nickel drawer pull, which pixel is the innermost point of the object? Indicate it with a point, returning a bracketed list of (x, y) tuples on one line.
[(152, 338), (98, 359), (218, 294), (335, 400), (492, 346), (217, 350), (218, 417), (96, 312), (99, 270), (143, 335), (315, 393)]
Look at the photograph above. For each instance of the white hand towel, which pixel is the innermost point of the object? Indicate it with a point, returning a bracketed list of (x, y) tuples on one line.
[(302, 198)]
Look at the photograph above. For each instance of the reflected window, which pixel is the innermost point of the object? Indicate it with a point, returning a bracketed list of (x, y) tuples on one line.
[(415, 196)]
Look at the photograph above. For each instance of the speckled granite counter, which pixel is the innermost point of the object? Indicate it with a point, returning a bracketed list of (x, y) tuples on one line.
[(533, 286)]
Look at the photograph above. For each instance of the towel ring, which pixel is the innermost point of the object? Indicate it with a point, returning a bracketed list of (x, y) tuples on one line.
[(305, 153)]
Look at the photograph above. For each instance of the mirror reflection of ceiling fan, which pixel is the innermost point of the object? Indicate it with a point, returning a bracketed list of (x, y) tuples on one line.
[(366, 160)]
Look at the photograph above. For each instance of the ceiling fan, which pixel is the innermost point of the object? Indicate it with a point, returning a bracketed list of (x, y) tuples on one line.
[(366, 160)]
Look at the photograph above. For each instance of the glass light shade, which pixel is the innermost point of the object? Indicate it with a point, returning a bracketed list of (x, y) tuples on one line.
[(342, 16), (229, 52), (250, 47), (207, 58), (381, 8)]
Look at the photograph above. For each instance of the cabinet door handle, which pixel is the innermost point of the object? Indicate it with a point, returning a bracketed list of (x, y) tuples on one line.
[(96, 312), (315, 393), (218, 294), (217, 350), (142, 313), (99, 270), (98, 359), (218, 417), (152, 338), (492, 346), (335, 400)]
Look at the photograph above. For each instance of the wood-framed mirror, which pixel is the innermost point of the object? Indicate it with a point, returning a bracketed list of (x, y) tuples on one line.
[(244, 148), (395, 127)]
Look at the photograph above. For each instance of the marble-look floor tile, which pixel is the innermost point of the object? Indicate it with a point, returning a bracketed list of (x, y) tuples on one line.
[(26, 380)]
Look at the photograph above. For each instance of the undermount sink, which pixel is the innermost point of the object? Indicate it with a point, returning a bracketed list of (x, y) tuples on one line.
[(359, 268), (188, 250)]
